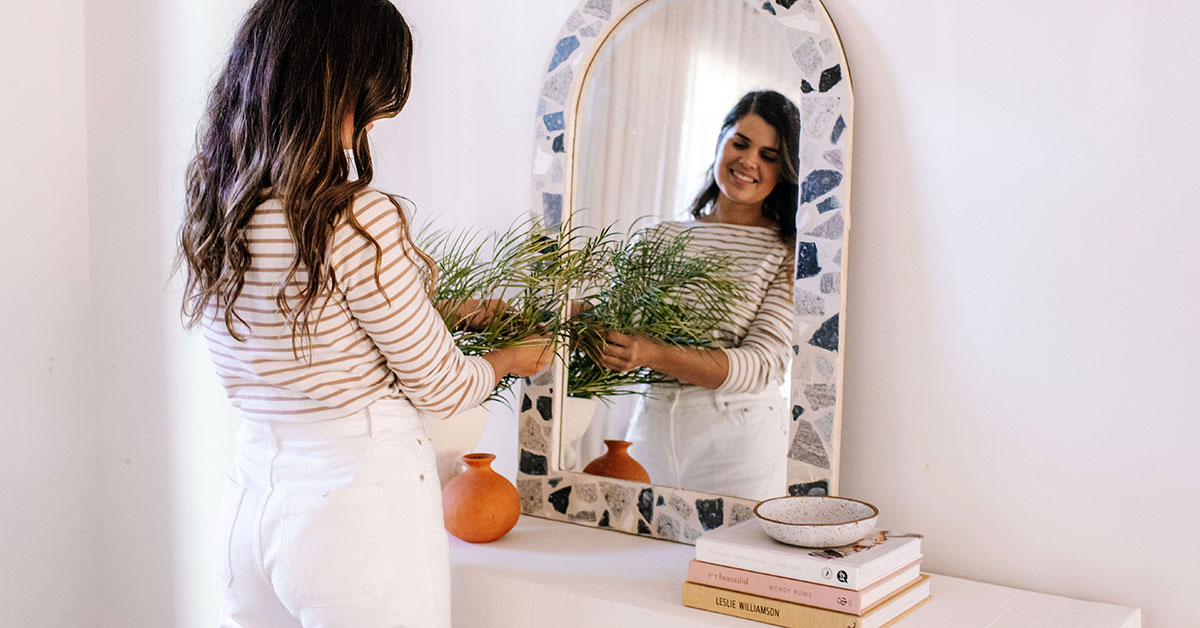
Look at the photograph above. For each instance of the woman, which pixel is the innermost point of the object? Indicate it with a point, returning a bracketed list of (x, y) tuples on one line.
[(723, 427), (315, 305)]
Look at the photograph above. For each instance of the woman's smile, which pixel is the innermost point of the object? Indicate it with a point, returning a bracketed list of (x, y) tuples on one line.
[(742, 178), (746, 167)]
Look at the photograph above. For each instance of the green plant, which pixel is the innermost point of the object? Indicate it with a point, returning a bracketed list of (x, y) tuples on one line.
[(650, 284), (528, 267), (654, 285)]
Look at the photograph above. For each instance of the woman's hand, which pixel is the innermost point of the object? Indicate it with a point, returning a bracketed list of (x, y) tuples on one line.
[(703, 367), (475, 313), (624, 352), (530, 357), (575, 308)]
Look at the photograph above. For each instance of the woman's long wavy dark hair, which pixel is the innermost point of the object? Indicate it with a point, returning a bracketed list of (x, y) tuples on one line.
[(781, 113), (273, 129)]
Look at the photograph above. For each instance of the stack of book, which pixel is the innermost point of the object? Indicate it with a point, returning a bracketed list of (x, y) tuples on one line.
[(741, 571)]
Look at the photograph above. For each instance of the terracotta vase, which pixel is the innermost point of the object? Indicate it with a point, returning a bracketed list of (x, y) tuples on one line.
[(480, 505), (617, 463)]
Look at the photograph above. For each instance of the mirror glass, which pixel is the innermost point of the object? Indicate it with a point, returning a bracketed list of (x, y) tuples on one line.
[(649, 121)]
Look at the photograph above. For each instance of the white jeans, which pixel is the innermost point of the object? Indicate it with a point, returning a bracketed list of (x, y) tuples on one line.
[(335, 524), (704, 440)]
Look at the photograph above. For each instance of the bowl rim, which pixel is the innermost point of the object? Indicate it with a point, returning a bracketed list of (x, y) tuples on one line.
[(874, 510)]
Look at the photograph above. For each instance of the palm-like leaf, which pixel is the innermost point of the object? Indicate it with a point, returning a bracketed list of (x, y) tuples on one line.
[(654, 285)]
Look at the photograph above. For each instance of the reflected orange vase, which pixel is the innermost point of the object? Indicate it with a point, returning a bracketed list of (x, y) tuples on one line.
[(617, 463), (480, 505)]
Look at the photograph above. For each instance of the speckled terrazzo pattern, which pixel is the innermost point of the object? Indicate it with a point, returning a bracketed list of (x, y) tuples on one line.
[(656, 511), (823, 223)]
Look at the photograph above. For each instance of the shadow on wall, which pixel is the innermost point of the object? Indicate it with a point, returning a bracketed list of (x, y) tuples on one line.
[(125, 107)]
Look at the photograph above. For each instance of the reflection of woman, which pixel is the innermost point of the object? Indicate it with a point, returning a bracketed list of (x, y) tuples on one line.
[(313, 300), (723, 427)]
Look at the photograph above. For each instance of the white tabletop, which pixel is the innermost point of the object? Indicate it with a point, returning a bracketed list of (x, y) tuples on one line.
[(548, 574)]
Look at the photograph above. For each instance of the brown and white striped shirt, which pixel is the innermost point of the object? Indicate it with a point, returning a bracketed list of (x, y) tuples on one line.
[(758, 337), (367, 343)]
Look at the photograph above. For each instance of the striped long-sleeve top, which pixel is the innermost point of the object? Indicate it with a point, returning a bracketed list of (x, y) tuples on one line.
[(370, 341), (758, 337)]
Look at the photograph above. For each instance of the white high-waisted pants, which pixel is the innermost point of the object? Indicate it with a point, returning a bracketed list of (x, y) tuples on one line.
[(715, 442), (335, 524)]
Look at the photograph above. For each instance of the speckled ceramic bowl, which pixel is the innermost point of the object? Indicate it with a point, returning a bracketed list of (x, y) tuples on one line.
[(816, 521)]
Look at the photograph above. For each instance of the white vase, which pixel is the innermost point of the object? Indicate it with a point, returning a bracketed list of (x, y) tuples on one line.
[(577, 416), (455, 437)]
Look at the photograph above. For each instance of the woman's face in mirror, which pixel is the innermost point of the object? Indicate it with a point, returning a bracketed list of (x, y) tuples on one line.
[(746, 167)]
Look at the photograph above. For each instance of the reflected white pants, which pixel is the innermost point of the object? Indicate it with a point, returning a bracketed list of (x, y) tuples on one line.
[(335, 524), (714, 442)]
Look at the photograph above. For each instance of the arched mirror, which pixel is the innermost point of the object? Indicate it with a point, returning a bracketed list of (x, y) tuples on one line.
[(632, 119)]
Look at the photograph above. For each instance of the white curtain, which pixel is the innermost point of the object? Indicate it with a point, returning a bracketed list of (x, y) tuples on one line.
[(648, 120), (653, 102)]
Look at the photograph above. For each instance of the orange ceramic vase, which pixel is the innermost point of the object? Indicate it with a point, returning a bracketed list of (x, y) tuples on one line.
[(480, 505), (617, 463)]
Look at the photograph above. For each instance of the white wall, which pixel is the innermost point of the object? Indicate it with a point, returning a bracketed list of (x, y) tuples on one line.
[(48, 563), (166, 429), (124, 113), (1019, 339), (1022, 335)]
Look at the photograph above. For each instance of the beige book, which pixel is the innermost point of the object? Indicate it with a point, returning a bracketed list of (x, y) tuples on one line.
[(792, 615)]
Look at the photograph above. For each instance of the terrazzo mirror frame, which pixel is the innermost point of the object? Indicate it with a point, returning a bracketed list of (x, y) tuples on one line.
[(823, 222)]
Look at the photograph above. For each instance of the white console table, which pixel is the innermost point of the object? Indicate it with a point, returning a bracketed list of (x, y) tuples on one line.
[(548, 574)]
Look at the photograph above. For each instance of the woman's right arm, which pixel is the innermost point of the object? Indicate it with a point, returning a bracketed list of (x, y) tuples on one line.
[(524, 360), (707, 368), (396, 313)]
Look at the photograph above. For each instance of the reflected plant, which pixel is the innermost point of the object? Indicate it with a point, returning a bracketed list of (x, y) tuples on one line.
[(653, 285)]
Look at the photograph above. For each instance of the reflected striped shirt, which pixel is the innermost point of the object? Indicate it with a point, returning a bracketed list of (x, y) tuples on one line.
[(758, 337), (369, 340)]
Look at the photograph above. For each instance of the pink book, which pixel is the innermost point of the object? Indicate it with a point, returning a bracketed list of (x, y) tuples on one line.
[(801, 592)]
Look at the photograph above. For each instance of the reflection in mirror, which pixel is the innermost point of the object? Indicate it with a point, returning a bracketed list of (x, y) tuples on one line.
[(669, 137)]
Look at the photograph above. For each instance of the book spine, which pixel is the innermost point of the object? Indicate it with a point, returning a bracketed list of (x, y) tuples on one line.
[(791, 566), (775, 587), (766, 610)]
